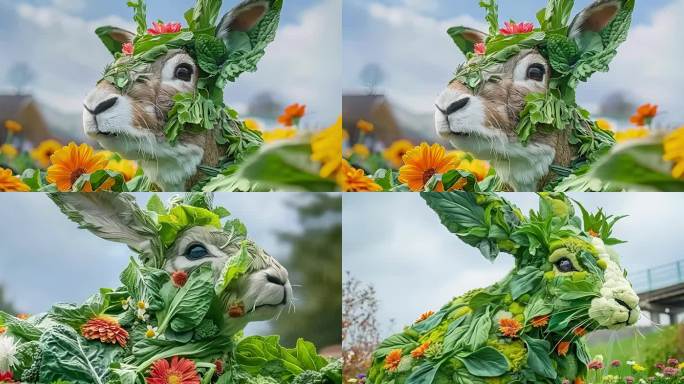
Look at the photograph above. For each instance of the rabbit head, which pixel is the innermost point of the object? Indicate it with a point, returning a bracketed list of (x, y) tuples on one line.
[(129, 109), (482, 110), (184, 238)]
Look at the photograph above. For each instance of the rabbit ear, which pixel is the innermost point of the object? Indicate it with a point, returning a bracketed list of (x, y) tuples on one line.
[(114, 38), (483, 220), (244, 17), (466, 38), (595, 17), (115, 217)]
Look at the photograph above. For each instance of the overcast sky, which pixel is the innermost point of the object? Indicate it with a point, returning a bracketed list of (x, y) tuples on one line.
[(397, 244), (56, 37), (408, 39), (45, 258)]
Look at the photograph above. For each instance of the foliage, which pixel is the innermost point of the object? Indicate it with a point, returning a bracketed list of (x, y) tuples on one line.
[(360, 335)]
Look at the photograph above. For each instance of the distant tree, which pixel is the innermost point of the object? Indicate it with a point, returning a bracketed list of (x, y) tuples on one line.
[(616, 105), (372, 75), (315, 265), (264, 105), (5, 305), (360, 335), (20, 76)]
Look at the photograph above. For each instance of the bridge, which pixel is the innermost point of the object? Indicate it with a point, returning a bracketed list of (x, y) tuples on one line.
[(661, 290)]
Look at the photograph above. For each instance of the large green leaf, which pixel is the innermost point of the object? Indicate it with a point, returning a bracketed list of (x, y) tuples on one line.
[(485, 362), (538, 359), (460, 213), (192, 302), (20, 328), (236, 266), (75, 315), (424, 373), (398, 341), (144, 283), (525, 281)]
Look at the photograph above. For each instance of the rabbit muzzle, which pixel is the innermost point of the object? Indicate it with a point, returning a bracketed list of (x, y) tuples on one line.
[(265, 293)]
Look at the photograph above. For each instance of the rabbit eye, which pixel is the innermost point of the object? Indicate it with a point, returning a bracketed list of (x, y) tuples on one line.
[(536, 72), (565, 265), (196, 252), (183, 72)]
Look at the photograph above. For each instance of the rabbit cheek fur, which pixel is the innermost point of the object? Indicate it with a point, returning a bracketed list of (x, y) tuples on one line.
[(264, 292), (134, 125), (485, 126)]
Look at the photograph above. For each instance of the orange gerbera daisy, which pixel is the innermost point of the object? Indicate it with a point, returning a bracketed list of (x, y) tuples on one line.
[(392, 360), (44, 151), (365, 126), (106, 329), (396, 152), (644, 114), (509, 327), (351, 179), (425, 316), (579, 331), (179, 371), (563, 348), (292, 114), (11, 183), (72, 161), (423, 162), (420, 351), (540, 321)]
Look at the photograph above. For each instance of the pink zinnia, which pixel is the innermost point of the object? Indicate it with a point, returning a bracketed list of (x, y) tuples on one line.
[(615, 363), (672, 362), (159, 28), (512, 28), (629, 380), (670, 371), (127, 49), (480, 48)]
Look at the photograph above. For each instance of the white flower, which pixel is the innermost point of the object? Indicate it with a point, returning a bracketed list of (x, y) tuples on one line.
[(8, 350), (659, 374), (142, 310), (630, 362), (126, 303), (151, 331)]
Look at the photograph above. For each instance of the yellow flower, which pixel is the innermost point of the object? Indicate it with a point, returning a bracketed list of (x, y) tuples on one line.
[(396, 152), (365, 126), (326, 148), (361, 150), (9, 183), (72, 161), (125, 167), (351, 179), (479, 168), (8, 150), (638, 368), (631, 134), (673, 150), (253, 125), (423, 162), (605, 125), (13, 126), (281, 133), (42, 153)]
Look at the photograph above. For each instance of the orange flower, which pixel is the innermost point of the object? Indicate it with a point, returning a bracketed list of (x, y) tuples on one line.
[(644, 114), (396, 152), (13, 126), (292, 114), (72, 161), (579, 380), (179, 371), (365, 126), (44, 151), (326, 148), (540, 321), (126, 168), (509, 327), (351, 179), (10, 183), (579, 331), (563, 348), (479, 168), (106, 329), (392, 360), (424, 316), (420, 351), (106, 186), (3, 330), (423, 162), (23, 316), (592, 233)]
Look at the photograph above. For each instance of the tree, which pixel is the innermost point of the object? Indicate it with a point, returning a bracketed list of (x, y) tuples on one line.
[(5, 305), (264, 105), (360, 335), (372, 75), (20, 75), (315, 264)]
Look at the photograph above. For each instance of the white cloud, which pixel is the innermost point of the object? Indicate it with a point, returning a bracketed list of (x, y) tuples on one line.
[(70, 5)]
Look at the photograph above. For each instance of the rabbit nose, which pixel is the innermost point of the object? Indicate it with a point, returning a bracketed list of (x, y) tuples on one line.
[(103, 106), (274, 279), (455, 106)]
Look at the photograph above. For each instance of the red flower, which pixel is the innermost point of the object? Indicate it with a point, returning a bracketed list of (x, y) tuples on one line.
[(6, 377), (159, 28), (219, 367), (180, 371), (236, 310), (127, 49), (106, 329), (179, 278), (480, 49), (511, 28)]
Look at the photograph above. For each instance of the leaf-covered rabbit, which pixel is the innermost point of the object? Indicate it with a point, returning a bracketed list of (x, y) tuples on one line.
[(161, 101), (513, 101), (181, 307), (528, 327)]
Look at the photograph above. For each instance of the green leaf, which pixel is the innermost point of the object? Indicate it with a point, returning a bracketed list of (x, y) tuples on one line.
[(20, 328), (485, 362), (33, 179), (211, 53), (75, 316), (557, 14), (203, 15), (492, 16), (182, 217), (155, 204), (425, 373), (525, 281), (398, 341), (140, 16), (538, 359), (104, 33), (460, 214), (478, 332), (236, 266), (192, 302), (144, 284)]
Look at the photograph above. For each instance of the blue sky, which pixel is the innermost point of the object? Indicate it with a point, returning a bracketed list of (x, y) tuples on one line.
[(397, 244), (56, 38), (408, 39), (45, 258)]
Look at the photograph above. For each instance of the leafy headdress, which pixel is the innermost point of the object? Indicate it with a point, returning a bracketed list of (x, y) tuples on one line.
[(574, 49), (223, 49)]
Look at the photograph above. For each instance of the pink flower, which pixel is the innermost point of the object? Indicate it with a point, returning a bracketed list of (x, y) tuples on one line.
[(672, 362), (480, 48), (670, 371), (127, 49), (595, 364), (629, 380), (615, 363), (511, 28), (159, 28)]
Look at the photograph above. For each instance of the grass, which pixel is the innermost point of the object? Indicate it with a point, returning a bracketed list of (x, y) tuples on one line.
[(628, 348)]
